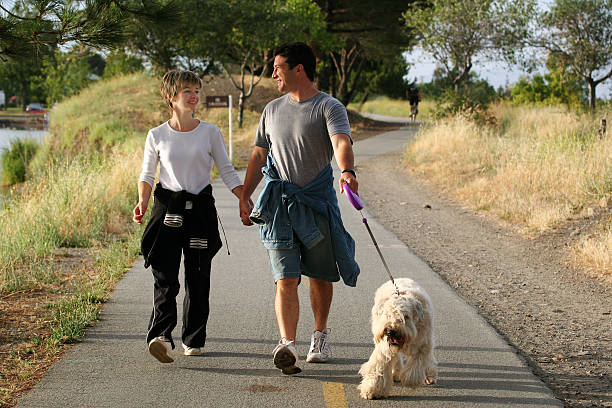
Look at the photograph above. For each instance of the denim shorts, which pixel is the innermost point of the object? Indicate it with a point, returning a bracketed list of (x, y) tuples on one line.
[(317, 262)]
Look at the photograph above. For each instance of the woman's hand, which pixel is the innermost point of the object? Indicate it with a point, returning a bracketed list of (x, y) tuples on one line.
[(139, 212), (144, 193)]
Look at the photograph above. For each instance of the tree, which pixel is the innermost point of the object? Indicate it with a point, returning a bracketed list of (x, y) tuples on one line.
[(365, 35), (66, 73), (385, 77), (30, 27), (162, 45), (458, 33), (240, 34), (23, 79), (579, 34), (557, 86), (119, 62)]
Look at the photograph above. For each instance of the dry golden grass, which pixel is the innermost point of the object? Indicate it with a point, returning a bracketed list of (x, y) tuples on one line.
[(538, 169)]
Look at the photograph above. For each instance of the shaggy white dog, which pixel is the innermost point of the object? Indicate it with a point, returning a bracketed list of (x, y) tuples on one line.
[(403, 335)]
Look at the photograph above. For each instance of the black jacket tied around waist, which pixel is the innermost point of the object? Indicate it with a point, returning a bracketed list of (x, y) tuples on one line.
[(198, 229)]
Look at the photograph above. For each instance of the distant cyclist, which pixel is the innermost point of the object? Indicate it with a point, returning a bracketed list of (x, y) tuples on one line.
[(414, 97)]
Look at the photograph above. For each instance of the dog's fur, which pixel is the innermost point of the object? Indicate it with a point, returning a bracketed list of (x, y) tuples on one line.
[(403, 336)]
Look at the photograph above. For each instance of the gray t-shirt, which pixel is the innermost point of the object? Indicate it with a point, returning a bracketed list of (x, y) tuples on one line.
[(298, 134)]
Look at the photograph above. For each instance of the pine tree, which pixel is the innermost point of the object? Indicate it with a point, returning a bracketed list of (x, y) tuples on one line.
[(30, 27)]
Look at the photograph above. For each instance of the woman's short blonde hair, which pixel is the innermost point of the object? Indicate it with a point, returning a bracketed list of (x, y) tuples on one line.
[(175, 81)]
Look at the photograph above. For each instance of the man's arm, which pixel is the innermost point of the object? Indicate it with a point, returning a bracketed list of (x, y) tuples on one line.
[(251, 180), (343, 151)]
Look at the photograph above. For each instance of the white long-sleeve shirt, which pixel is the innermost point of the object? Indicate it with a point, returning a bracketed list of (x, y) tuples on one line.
[(186, 158)]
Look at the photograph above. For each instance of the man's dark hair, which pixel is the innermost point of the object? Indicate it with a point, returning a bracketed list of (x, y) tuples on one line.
[(298, 53)]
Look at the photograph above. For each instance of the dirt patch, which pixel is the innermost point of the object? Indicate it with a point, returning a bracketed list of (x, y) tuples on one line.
[(25, 353), (557, 316)]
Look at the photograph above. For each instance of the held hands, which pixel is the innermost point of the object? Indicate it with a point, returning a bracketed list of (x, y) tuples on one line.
[(139, 212), (246, 206)]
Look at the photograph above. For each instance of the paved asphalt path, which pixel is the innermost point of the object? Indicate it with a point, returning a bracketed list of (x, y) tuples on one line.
[(112, 368)]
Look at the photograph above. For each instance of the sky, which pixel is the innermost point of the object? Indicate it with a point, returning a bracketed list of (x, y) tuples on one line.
[(422, 67), (496, 74)]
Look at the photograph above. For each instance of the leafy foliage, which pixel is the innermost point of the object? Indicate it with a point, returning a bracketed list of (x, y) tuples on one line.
[(384, 77), (119, 62), (579, 34), (367, 35), (23, 79), (66, 73), (458, 33), (15, 160), (31, 26), (472, 107), (478, 89), (557, 86), (241, 33)]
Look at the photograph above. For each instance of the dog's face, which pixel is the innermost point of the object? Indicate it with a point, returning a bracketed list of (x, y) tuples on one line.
[(398, 321)]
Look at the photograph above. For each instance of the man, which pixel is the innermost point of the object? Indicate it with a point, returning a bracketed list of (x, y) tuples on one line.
[(298, 212), (414, 97)]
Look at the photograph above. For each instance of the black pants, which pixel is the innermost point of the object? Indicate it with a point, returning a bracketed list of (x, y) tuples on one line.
[(170, 244), (197, 240), (195, 304)]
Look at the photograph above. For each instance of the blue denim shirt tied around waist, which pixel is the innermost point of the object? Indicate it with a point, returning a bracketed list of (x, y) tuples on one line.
[(284, 208)]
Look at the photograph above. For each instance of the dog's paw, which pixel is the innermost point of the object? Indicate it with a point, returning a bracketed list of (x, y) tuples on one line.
[(431, 377), (369, 391), (370, 394)]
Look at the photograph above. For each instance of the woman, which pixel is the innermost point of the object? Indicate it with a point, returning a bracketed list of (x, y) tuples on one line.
[(184, 217)]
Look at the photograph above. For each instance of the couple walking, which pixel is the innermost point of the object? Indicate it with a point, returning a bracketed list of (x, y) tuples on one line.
[(297, 212)]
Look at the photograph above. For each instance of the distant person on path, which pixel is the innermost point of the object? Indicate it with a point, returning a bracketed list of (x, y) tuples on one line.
[(297, 211), (414, 97), (184, 217)]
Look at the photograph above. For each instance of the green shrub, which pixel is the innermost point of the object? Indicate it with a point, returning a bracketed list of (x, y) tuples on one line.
[(473, 107), (15, 160)]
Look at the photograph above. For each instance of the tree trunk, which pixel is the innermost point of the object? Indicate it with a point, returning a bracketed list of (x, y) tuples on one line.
[(459, 78), (240, 108), (364, 99), (592, 94), (343, 63), (353, 87), (25, 93)]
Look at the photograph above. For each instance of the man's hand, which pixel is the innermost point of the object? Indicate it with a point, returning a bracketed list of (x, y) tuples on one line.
[(246, 206), (348, 178), (251, 179)]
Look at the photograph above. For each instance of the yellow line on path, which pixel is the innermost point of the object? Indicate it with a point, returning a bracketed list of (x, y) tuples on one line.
[(333, 393)]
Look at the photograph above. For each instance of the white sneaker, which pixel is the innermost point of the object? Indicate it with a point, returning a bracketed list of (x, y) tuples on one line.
[(192, 351), (160, 348), (319, 347), (286, 357)]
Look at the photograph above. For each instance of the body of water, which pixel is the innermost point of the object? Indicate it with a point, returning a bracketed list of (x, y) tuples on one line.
[(9, 135)]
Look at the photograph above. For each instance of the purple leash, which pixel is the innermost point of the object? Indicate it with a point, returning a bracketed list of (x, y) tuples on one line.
[(355, 200)]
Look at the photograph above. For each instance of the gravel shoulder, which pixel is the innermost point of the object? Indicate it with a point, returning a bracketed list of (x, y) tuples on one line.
[(555, 315)]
